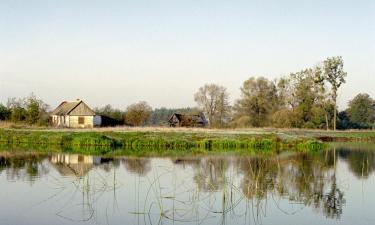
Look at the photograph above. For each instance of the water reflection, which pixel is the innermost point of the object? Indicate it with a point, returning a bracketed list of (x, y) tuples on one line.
[(22, 166), (210, 189), (140, 166)]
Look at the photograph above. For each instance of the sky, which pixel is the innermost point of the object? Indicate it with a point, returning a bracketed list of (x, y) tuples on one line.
[(162, 51)]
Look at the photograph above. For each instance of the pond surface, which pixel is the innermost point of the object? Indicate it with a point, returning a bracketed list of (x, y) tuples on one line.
[(335, 186)]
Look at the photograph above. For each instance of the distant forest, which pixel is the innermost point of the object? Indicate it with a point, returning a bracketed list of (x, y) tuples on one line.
[(303, 99)]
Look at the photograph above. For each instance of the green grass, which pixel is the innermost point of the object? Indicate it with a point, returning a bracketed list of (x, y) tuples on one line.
[(158, 142)]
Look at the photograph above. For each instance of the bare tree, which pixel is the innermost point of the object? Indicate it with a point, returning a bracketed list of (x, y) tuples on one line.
[(213, 99)]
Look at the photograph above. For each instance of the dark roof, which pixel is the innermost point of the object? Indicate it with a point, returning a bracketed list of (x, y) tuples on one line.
[(66, 107)]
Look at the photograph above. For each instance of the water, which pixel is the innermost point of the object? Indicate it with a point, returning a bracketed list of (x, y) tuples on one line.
[(331, 187)]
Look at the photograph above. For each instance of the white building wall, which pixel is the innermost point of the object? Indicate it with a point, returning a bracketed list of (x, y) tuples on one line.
[(88, 122)]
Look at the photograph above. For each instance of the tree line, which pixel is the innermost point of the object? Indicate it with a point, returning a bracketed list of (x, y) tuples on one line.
[(34, 111), (303, 99), (30, 110)]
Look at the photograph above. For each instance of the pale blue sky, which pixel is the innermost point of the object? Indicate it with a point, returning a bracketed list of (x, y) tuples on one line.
[(120, 52)]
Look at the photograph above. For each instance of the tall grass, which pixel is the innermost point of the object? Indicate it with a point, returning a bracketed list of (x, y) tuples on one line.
[(105, 141)]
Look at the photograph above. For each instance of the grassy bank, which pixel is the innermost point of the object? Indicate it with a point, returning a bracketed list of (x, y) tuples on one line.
[(107, 141)]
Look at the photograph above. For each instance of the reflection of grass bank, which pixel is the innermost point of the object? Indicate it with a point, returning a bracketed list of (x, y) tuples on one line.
[(354, 146), (104, 142)]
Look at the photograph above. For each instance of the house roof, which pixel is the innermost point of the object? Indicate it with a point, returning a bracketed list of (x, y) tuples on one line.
[(65, 108)]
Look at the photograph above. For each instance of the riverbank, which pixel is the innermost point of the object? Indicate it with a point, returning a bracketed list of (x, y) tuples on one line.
[(157, 139)]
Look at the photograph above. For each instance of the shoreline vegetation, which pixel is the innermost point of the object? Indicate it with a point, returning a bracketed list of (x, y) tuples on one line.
[(161, 141)]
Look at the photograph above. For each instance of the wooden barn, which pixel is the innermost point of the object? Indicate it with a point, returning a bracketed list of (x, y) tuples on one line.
[(185, 120), (74, 114)]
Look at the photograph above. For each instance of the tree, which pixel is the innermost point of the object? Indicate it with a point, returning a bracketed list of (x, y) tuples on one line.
[(333, 73), (36, 110), (283, 118), (213, 100), (17, 108), (4, 112), (137, 114), (111, 112), (258, 101), (309, 98), (32, 109), (361, 110)]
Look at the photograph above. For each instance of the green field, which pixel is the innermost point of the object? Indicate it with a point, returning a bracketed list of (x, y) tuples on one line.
[(158, 141)]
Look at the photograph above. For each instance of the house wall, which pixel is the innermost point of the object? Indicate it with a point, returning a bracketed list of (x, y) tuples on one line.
[(74, 122), (60, 121)]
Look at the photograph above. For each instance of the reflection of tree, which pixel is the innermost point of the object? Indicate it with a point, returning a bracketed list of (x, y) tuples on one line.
[(210, 174), (334, 200), (22, 166), (361, 163), (140, 166), (259, 176), (303, 178), (186, 161)]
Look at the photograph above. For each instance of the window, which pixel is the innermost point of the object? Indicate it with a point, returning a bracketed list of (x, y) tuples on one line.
[(81, 120)]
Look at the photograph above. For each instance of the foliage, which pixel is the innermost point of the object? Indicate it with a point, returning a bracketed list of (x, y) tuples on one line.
[(361, 110), (17, 108), (111, 112), (30, 110), (258, 101), (298, 100), (284, 118), (137, 114), (4, 112)]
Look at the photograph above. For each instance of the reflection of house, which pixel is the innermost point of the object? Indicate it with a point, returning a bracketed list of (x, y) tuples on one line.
[(74, 165), (73, 114), (185, 120)]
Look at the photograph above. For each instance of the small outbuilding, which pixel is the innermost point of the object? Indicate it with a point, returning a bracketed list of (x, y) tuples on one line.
[(106, 121), (75, 114), (186, 120)]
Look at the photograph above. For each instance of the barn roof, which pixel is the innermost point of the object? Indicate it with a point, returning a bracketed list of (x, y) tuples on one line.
[(65, 108)]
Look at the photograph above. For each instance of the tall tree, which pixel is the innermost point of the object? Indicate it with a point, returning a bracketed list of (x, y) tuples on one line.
[(257, 103), (214, 101), (333, 72), (302, 100), (137, 114), (361, 110)]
